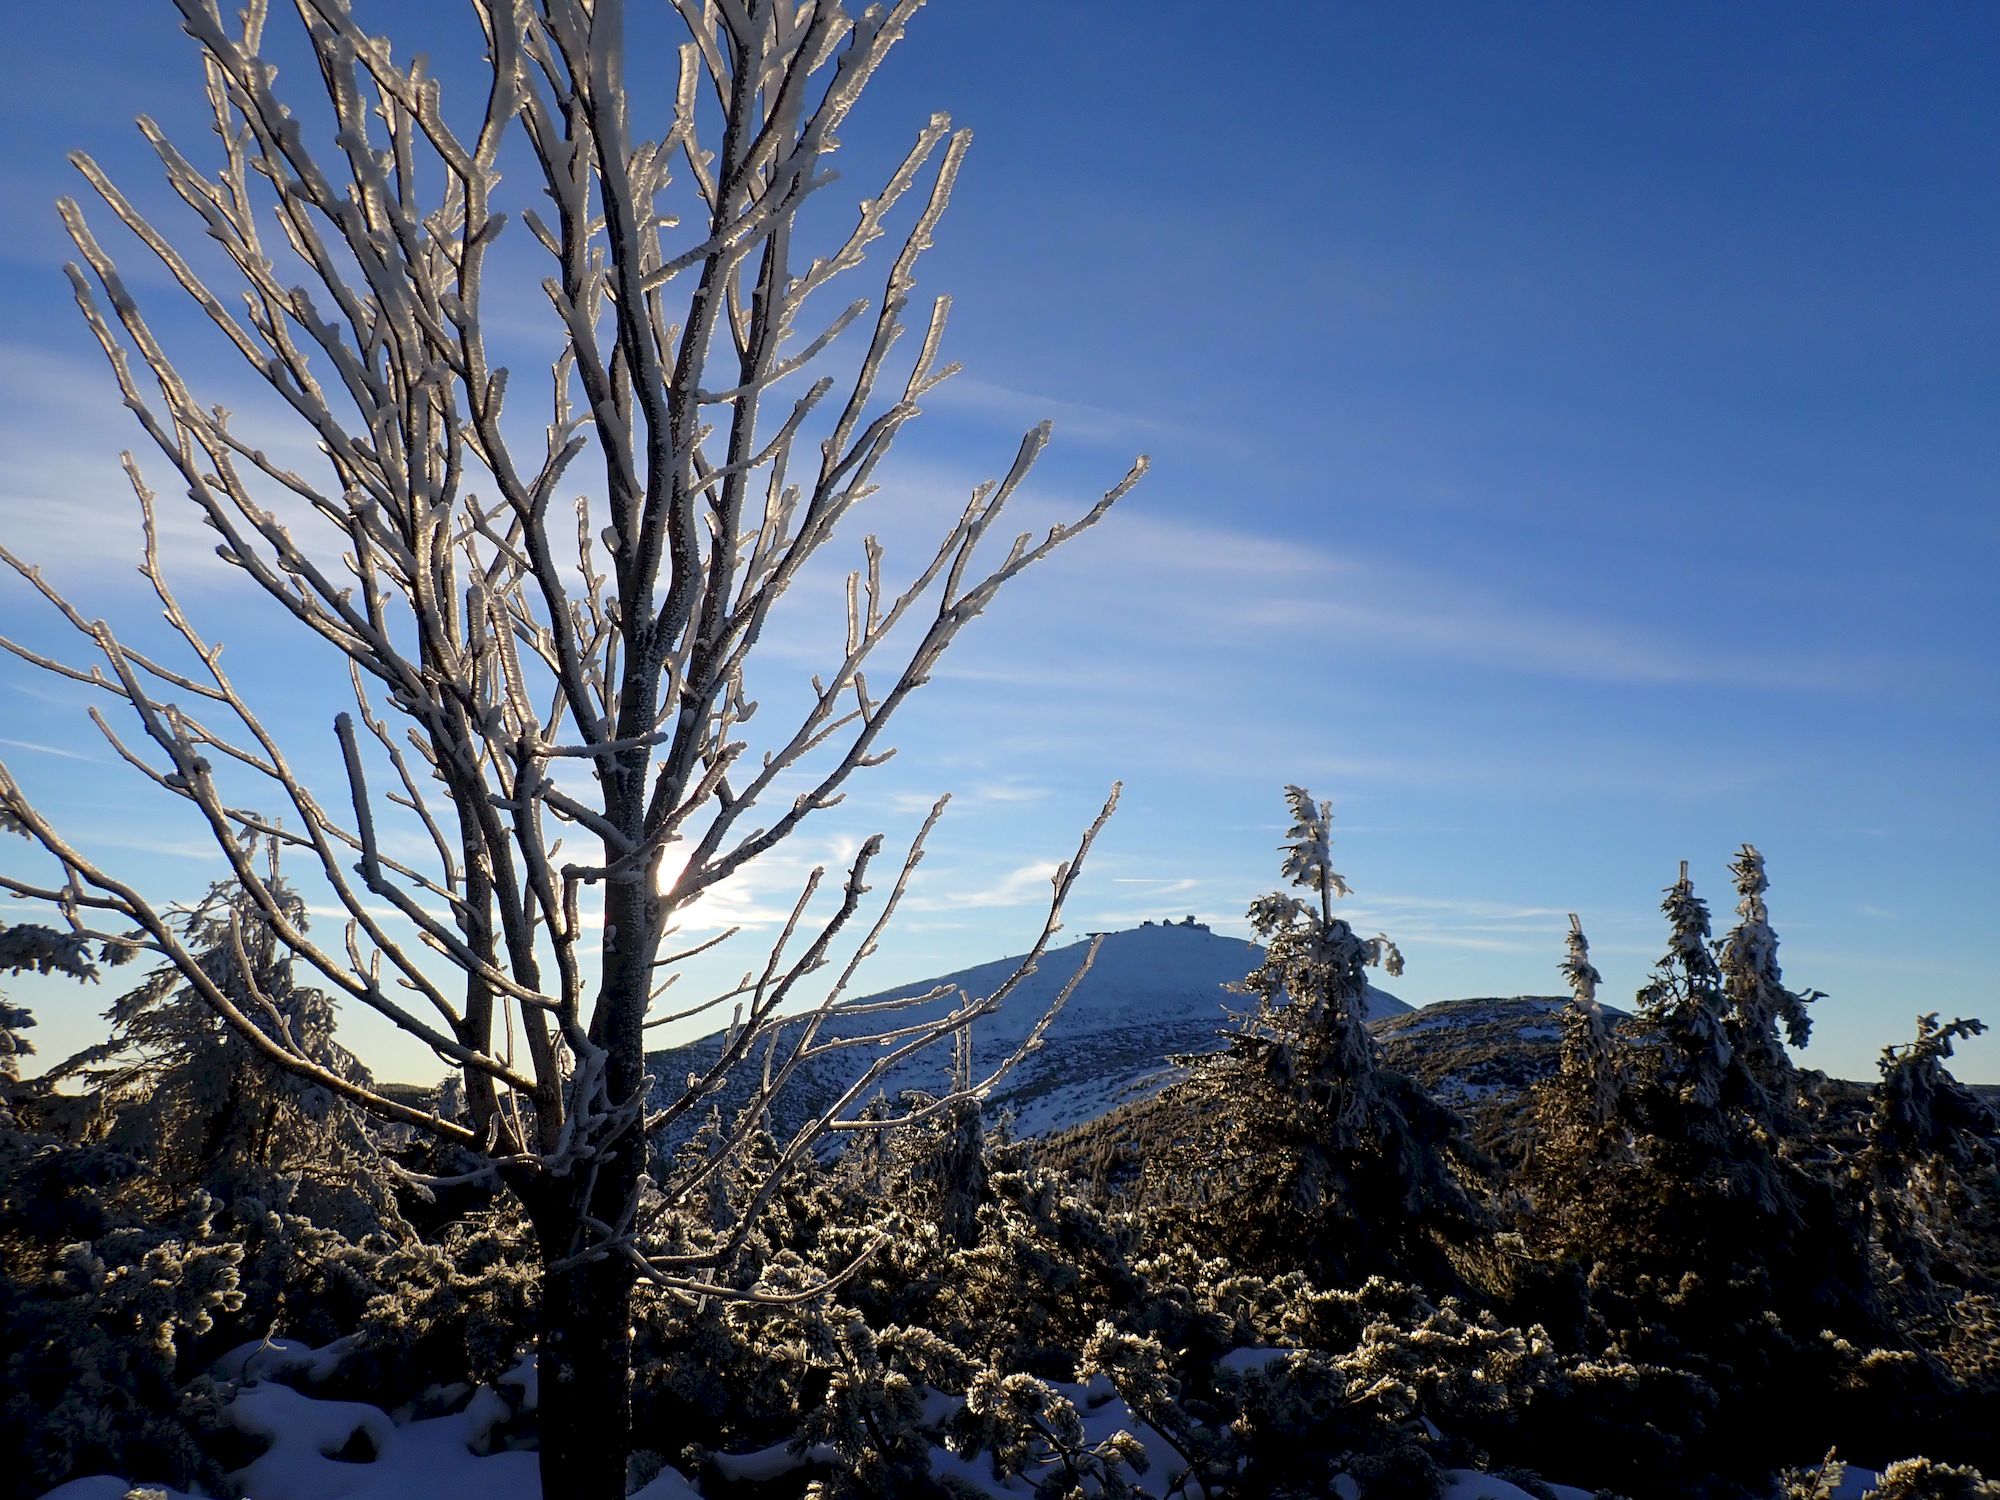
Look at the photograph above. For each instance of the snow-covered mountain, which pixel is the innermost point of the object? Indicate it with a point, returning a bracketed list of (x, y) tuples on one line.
[(1154, 992)]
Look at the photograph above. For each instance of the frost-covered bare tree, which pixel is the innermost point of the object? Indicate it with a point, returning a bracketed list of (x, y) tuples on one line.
[(547, 619)]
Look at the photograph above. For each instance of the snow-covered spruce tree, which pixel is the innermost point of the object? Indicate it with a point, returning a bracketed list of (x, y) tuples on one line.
[(22, 949), (1713, 1248), (31, 948), (1919, 1108), (14, 1019), (952, 1173), (179, 1087), (1592, 1071), (1683, 1003), (1305, 1150), (1581, 1123), (1759, 1004), (1930, 1172), (1695, 1127), (1721, 1093), (550, 752)]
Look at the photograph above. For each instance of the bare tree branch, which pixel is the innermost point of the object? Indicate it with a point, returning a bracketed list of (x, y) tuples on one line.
[(512, 691)]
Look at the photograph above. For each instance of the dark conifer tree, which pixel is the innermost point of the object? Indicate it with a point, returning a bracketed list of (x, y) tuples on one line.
[(31, 949), (181, 1089), (1683, 1004), (1931, 1172), (1759, 1006), (951, 1172), (1303, 1149)]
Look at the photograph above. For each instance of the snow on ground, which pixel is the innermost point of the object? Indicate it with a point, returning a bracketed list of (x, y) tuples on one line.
[(381, 1458), (430, 1458), (1470, 1484), (404, 1457)]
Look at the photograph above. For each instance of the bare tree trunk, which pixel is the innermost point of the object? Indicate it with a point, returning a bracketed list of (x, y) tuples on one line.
[(584, 1348), (584, 1341), (583, 1345)]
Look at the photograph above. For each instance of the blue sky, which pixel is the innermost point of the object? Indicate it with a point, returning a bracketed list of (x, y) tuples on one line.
[(1573, 427)]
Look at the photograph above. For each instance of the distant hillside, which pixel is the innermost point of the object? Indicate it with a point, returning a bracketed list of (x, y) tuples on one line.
[(1478, 1055), (1155, 992), (1471, 1051), (1481, 1055)]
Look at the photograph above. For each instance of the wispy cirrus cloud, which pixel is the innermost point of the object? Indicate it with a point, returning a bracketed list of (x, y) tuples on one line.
[(1169, 588), (1023, 885), (1250, 586), (981, 794), (58, 751), (64, 503), (1081, 420)]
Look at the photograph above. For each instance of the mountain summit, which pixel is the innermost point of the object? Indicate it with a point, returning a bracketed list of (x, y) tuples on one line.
[(1155, 992)]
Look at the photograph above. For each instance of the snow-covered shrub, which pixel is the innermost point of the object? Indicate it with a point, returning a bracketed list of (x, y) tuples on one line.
[(1923, 1479), (458, 1306), (1025, 1425), (99, 1335), (876, 1414), (1627, 1425), (1820, 1481), (1149, 1379)]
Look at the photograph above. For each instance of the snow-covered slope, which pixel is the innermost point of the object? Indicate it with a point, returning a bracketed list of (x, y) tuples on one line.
[(1471, 1052), (1154, 992)]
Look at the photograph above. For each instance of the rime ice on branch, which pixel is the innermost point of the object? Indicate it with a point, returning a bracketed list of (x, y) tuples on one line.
[(527, 672)]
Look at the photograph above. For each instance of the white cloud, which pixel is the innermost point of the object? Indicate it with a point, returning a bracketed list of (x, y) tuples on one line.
[(1161, 585), (203, 850), (989, 794), (1080, 420), (1252, 585), (1022, 886), (55, 750)]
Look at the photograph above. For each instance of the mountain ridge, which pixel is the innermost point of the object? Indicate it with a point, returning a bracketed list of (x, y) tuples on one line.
[(1155, 992)]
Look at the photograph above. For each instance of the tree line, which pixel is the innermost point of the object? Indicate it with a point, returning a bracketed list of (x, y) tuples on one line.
[(1694, 1264)]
